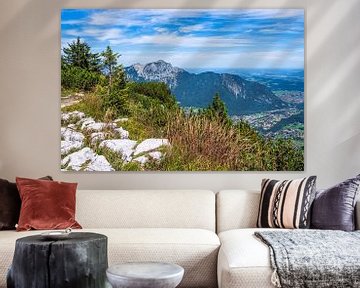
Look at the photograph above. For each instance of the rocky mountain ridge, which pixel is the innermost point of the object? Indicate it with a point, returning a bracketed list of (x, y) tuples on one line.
[(197, 90)]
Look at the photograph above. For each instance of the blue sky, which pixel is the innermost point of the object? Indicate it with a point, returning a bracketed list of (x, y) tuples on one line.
[(202, 39)]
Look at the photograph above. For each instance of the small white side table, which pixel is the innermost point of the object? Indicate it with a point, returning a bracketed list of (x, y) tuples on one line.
[(145, 275)]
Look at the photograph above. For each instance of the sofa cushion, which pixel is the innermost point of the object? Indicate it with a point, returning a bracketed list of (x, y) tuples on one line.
[(194, 249), (286, 204), (334, 208), (244, 261), (236, 209), (146, 209), (46, 204), (10, 204)]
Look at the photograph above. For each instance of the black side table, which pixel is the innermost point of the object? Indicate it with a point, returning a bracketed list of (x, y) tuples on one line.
[(78, 261)]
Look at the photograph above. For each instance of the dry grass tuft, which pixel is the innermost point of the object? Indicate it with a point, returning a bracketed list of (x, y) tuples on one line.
[(207, 142)]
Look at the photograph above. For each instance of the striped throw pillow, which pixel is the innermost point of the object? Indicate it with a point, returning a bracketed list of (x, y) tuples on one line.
[(286, 204)]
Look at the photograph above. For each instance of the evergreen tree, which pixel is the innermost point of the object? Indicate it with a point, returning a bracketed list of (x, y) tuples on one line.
[(218, 107), (110, 62), (78, 54), (119, 77), (217, 110)]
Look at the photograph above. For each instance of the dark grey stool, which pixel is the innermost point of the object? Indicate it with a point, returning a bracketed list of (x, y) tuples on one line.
[(78, 261)]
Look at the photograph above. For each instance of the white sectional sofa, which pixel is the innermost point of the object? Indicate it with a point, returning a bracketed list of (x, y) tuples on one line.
[(243, 260), (142, 225), (177, 226)]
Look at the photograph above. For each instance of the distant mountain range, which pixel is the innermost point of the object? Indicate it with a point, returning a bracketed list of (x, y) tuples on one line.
[(197, 90)]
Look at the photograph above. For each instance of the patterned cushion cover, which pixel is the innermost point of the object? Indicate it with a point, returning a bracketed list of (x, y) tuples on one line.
[(286, 204)]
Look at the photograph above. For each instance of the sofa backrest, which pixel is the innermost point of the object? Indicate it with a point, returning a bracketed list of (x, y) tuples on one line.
[(146, 209), (239, 209), (236, 209)]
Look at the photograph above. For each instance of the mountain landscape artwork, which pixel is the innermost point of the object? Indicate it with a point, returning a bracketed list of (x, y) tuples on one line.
[(182, 90)]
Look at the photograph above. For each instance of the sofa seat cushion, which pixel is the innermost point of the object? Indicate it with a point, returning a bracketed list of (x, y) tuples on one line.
[(194, 249), (244, 261)]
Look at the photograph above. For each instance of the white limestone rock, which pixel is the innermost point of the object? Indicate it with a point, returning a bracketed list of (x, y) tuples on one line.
[(76, 115), (69, 134), (85, 122), (155, 155), (67, 146), (76, 160), (99, 126), (71, 126), (124, 147), (99, 164), (122, 133), (150, 144), (141, 159), (97, 137), (86, 160)]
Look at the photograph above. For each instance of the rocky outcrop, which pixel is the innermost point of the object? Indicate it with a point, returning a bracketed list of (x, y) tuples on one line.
[(124, 147), (69, 134), (141, 159), (81, 131), (86, 160), (123, 134), (85, 122), (99, 126), (97, 137), (150, 145), (152, 156), (155, 155), (68, 146), (75, 115), (99, 164), (71, 140)]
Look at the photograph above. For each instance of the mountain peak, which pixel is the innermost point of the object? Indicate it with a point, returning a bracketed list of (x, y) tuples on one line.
[(159, 67), (161, 62), (159, 70)]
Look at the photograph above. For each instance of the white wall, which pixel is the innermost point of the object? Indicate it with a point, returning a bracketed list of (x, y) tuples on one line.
[(30, 94)]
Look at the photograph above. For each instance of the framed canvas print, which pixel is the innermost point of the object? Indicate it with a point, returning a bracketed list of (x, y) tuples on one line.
[(182, 90)]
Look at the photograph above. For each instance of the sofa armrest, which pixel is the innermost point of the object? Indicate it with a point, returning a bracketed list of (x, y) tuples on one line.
[(357, 215)]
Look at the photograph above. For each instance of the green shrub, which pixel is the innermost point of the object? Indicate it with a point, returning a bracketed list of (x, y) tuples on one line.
[(79, 79), (154, 90)]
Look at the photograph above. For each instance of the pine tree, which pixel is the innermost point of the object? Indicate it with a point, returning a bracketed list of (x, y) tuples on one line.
[(78, 54), (110, 62), (218, 106), (217, 110)]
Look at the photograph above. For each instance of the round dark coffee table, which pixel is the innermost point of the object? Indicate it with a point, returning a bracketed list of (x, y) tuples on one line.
[(145, 275), (78, 261)]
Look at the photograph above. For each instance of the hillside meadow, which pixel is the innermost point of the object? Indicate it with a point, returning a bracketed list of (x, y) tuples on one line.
[(112, 124)]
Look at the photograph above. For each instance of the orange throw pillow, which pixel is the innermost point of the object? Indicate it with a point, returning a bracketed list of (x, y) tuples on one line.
[(46, 204)]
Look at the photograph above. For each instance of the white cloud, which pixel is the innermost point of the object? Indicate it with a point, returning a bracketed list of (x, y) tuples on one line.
[(122, 17), (72, 32), (192, 28), (102, 34), (184, 41), (65, 41), (99, 34), (265, 13), (72, 22), (263, 60), (161, 30)]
